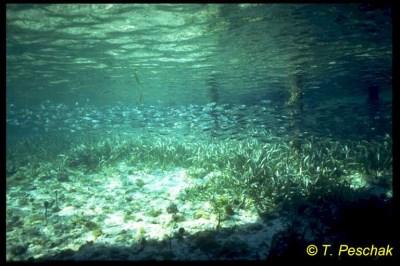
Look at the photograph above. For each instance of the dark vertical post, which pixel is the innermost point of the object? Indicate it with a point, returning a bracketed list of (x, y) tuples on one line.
[(295, 105), (213, 95)]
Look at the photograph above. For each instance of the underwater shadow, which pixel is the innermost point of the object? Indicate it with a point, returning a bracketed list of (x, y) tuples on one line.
[(365, 220)]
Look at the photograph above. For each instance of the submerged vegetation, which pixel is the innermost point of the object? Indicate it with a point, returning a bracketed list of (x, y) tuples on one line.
[(229, 174), (225, 183)]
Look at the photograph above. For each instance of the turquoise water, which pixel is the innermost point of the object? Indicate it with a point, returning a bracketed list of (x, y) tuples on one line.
[(194, 132)]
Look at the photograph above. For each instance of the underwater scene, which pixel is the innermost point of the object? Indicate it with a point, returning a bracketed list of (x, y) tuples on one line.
[(197, 132)]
